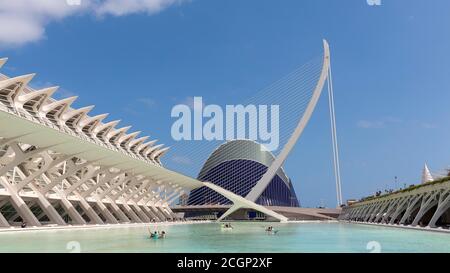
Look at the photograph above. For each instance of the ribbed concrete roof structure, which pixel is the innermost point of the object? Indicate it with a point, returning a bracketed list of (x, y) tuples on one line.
[(77, 168)]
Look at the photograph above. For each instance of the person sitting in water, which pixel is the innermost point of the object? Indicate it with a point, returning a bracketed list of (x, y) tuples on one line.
[(269, 229), (154, 234), (162, 234), (23, 225)]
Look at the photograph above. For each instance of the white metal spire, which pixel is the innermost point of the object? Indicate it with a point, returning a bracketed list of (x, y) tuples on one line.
[(336, 164), (426, 175)]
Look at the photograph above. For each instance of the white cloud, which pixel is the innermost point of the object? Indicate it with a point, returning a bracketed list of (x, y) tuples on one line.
[(24, 21), (24, 30), (366, 124), (121, 7), (149, 102), (428, 125), (378, 124)]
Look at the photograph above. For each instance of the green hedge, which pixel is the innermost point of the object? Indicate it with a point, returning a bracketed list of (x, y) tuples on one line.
[(410, 188)]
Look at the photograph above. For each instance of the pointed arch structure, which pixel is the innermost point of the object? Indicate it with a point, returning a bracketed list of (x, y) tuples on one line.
[(262, 184)]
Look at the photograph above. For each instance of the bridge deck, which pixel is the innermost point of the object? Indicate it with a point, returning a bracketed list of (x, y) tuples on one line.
[(293, 213)]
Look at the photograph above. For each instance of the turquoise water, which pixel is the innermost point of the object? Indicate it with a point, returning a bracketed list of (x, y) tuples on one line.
[(245, 237)]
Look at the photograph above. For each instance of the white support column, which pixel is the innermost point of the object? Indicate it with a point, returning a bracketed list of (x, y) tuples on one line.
[(158, 213), (366, 212), (139, 211), (73, 213), (370, 212), (425, 207), (359, 213), (20, 205), (49, 210), (399, 209), (106, 213), (390, 210), (119, 212), (381, 211), (444, 204), (90, 211), (161, 204), (413, 204), (174, 216), (45, 205), (67, 205), (150, 213), (99, 197), (165, 211), (3, 221), (131, 213), (375, 212)]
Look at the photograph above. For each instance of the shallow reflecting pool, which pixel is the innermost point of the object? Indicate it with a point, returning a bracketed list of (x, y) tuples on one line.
[(245, 237)]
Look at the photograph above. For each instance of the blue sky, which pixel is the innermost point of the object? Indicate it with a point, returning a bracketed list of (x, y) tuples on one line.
[(390, 68)]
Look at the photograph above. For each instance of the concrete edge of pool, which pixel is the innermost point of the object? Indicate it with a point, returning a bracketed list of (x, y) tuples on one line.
[(439, 230), (128, 225), (106, 226)]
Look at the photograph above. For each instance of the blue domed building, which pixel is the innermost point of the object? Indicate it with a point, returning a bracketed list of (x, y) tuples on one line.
[(237, 166)]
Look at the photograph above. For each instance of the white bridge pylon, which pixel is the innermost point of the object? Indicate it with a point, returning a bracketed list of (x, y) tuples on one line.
[(262, 184)]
